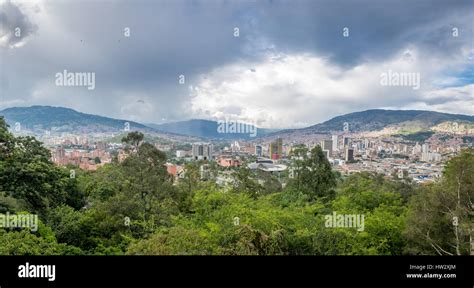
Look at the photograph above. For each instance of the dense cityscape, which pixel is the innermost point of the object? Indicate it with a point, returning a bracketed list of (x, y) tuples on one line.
[(420, 161)]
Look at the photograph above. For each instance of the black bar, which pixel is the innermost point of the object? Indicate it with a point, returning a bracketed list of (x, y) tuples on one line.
[(369, 271)]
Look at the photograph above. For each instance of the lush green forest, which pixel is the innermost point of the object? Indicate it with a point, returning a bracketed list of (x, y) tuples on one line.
[(136, 208)]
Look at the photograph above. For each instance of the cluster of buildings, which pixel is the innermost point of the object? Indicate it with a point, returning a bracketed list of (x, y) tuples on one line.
[(391, 156), (347, 152), (85, 158)]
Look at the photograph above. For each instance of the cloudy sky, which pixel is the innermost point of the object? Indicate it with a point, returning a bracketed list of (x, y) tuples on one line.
[(293, 64)]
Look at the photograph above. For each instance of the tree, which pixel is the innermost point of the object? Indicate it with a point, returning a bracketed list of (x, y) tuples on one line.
[(269, 181), (24, 243), (6, 140), (68, 226), (245, 183), (134, 139), (41, 242), (174, 241), (370, 196), (27, 174), (440, 215), (11, 204), (188, 185), (125, 200), (313, 174), (147, 180)]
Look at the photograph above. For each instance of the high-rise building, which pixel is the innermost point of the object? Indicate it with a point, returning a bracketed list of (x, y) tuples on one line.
[(326, 145), (430, 157), (346, 141), (276, 149), (335, 143), (258, 150), (416, 149), (366, 143), (425, 148), (180, 153), (202, 151), (349, 154)]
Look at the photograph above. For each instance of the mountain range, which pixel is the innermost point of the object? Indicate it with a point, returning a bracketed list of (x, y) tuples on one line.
[(40, 118), (59, 119), (378, 119)]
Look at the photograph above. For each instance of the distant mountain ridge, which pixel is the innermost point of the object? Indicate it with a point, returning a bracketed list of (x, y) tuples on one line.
[(59, 119), (378, 119), (38, 119)]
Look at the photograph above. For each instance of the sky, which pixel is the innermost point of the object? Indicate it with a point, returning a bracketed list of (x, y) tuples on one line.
[(277, 64)]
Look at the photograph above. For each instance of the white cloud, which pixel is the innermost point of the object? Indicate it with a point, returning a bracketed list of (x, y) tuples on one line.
[(136, 108), (295, 90), (456, 100)]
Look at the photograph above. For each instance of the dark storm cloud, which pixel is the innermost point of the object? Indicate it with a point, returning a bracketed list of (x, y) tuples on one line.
[(376, 28), (15, 26)]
